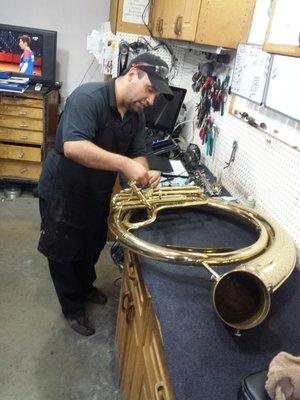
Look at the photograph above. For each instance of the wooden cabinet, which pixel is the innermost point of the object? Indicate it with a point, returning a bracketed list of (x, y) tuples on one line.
[(119, 25), (175, 19), (28, 124), (224, 23), (143, 371), (210, 22)]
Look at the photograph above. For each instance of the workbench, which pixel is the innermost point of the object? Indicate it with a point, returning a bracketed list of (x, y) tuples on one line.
[(203, 358)]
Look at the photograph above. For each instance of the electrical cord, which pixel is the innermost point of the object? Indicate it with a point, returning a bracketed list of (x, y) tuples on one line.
[(116, 282), (90, 66), (161, 43)]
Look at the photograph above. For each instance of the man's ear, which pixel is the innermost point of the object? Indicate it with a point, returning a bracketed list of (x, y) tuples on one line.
[(132, 73)]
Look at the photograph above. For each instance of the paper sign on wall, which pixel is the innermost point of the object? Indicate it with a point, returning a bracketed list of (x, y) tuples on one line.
[(251, 72), (133, 10)]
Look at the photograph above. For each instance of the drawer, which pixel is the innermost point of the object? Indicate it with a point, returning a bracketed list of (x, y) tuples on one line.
[(20, 152), (139, 292), (22, 101), (21, 123), (19, 111), (19, 136), (20, 169), (156, 368)]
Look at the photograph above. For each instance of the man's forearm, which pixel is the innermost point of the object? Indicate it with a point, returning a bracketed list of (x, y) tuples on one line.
[(143, 161), (88, 154)]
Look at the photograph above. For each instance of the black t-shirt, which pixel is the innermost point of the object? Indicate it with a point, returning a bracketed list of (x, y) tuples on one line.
[(86, 111)]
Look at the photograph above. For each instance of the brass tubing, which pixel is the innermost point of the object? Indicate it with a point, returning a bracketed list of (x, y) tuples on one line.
[(241, 297)]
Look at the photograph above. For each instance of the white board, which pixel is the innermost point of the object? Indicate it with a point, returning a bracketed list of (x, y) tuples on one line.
[(284, 86), (251, 72)]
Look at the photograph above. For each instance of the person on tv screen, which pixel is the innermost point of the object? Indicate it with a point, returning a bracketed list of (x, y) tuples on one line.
[(27, 57)]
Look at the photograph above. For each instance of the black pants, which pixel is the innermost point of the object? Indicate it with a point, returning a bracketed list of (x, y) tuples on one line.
[(73, 279), (72, 282)]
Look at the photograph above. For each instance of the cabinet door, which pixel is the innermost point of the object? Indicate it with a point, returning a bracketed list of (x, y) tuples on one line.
[(224, 23), (160, 18), (134, 24), (184, 19), (176, 19)]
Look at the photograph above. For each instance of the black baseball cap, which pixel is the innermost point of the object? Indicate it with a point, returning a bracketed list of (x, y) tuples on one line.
[(157, 71)]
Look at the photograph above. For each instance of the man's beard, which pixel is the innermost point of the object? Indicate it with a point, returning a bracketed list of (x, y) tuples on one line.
[(134, 106)]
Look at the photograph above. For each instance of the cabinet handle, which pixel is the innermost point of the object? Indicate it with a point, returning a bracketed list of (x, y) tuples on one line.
[(22, 113), (178, 25), (125, 296), (131, 274), (21, 154), (24, 170), (130, 312), (160, 391), (160, 25), (24, 137), (23, 126)]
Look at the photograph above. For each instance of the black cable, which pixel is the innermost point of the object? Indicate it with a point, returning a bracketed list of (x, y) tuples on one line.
[(90, 66), (116, 281), (160, 41)]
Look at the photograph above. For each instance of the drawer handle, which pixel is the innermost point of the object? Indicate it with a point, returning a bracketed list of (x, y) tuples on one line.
[(130, 312), (126, 295), (21, 154), (131, 274), (22, 113), (23, 125), (160, 25), (160, 391), (24, 170), (178, 25), (24, 137)]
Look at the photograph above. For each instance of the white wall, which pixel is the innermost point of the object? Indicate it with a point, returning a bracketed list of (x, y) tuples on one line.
[(73, 20)]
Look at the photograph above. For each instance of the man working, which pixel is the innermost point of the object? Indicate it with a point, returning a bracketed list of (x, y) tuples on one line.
[(101, 133)]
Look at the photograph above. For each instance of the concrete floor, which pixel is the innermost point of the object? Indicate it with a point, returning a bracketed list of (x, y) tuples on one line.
[(41, 358)]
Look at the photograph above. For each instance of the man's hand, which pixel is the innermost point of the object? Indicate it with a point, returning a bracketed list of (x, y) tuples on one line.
[(134, 171), (154, 178)]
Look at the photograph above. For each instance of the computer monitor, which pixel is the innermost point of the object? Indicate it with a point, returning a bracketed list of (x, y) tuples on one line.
[(162, 116)]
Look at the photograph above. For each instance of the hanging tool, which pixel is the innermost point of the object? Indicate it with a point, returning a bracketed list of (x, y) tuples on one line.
[(232, 156)]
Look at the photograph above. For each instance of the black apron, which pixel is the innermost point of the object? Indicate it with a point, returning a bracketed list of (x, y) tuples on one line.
[(74, 224)]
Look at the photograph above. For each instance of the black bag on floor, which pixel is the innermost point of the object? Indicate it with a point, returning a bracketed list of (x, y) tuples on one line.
[(253, 387)]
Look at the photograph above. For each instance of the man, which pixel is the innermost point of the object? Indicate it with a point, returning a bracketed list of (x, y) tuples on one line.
[(101, 133), (27, 58)]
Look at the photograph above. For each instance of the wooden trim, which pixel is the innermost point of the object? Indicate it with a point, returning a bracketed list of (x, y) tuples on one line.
[(273, 136), (287, 50)]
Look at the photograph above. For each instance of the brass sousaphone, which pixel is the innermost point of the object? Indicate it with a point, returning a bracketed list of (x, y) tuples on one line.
[(242, 296)]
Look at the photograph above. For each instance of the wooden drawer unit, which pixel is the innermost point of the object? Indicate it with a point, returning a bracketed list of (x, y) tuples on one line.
[(143, 372), (20, 152), (28, 123), (20, 169), (20, 111), (21, 123), (20, 136), (16, 100)]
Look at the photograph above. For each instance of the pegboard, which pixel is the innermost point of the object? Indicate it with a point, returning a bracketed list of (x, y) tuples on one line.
[(264, 168)]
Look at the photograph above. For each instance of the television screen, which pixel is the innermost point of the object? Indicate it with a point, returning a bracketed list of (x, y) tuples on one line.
[(163, 114), (28, 52)]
